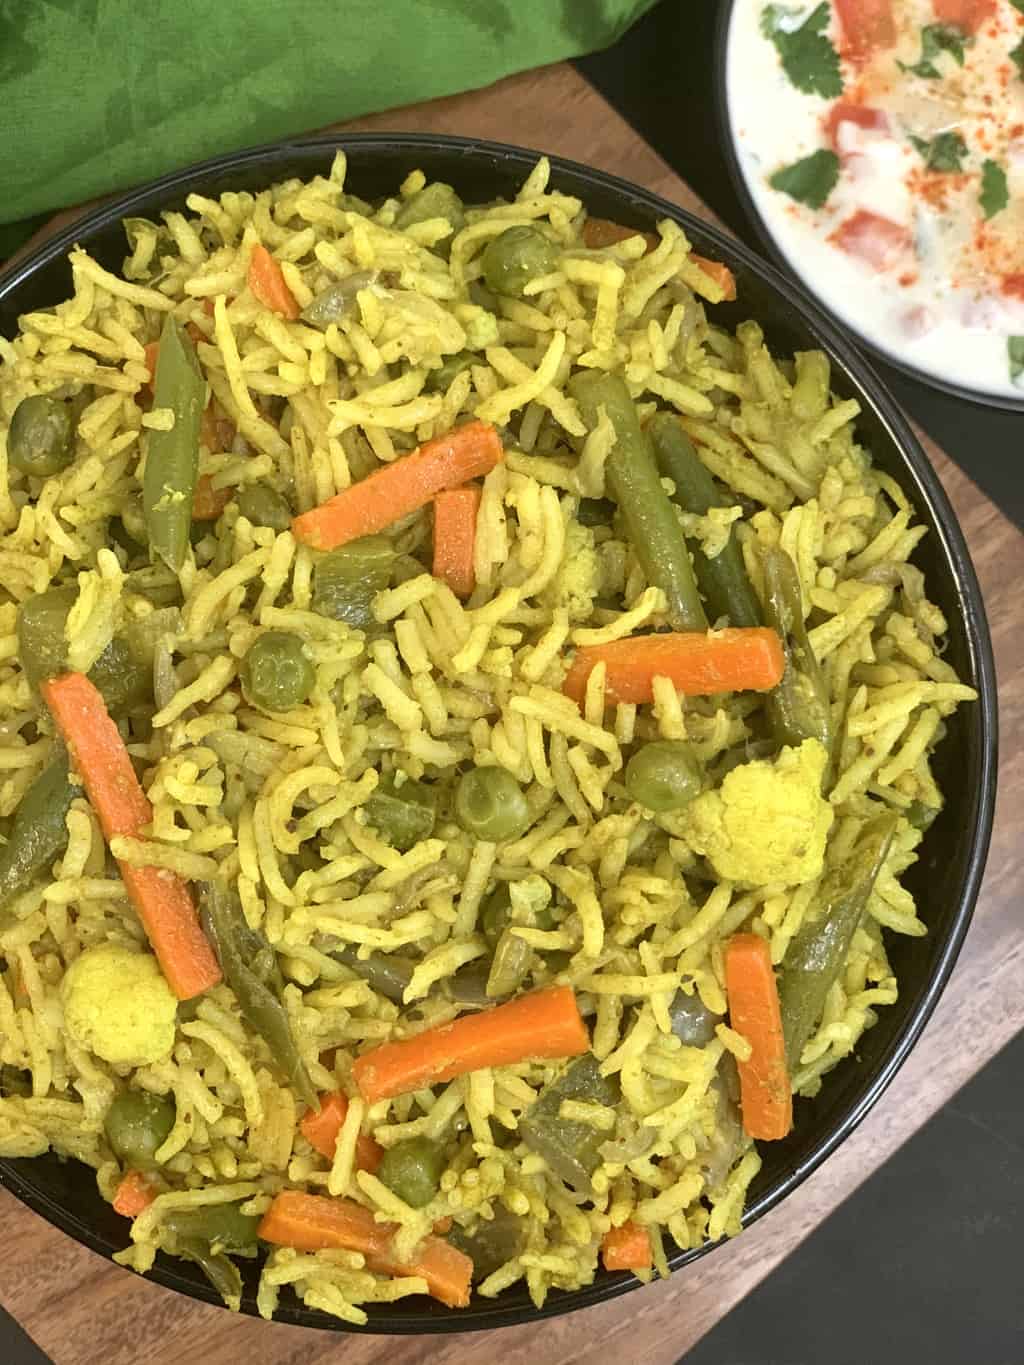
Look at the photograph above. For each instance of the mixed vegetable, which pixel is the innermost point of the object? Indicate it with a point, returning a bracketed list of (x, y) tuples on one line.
[(716, 634)]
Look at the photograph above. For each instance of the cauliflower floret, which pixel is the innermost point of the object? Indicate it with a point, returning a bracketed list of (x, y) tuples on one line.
[(578, 580), (767, 822), (118, 1005)]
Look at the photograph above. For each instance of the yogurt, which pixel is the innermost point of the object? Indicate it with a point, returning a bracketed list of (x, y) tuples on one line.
[(882, 142)]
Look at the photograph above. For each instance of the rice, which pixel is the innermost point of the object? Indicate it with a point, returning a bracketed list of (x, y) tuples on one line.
[(604, 894)]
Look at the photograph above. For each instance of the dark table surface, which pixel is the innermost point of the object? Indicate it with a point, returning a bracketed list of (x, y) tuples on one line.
[(661, 77)]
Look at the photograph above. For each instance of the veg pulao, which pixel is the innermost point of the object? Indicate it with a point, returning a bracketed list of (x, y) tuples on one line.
[(465, 716)]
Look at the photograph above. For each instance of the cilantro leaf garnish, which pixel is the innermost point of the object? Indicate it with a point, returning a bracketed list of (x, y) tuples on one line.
[(1015, 355), (808, 57), (944, 152), (810, 180), (1017, 57), (936, 38), (995, 192)]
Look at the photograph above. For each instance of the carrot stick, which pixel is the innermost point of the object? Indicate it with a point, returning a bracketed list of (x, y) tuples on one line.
[(321, 1131), (133, 1195), (719, 272), (744, 659), (266, 281), (542, 1024), (626, 1248), (766, 1099), (311, 1222), (152, 351), (161, 898), (455, 537), (395, 490)]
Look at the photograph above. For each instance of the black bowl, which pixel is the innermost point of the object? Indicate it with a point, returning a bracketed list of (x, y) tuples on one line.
[(953, 855), (728, 143)]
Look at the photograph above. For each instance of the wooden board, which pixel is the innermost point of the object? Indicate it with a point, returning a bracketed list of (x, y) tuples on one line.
[(82, 1310)]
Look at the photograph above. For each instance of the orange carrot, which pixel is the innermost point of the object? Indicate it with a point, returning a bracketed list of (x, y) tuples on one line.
[(454, 538), (266, 280), (312, 1222), (542, 1024), (321, 1131), (744, 659), (208, 502), (395, 490), (766, 1099), (626, 1248), (133, 1195), (161, 899), (601, 232), (719, 272)]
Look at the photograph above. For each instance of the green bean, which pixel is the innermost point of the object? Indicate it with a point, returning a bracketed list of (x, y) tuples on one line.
[(496, 913), (515, 257), (663, 775), (651, 524), (436, 200), (388, 973), (571, 1148), (816, 955), (413, 1170), (723, 581), (137, 1125), (276, 672), (264, 506), (172, 457), (692, 1021), (510, 965), (223, 1227), (492, 1242), (39, 833), (337, 300), (42, 649), (490, 804), (438, 381), (251, 971), (468, 987), (39, 441), (799, 707), (346, 581), (402, 815)]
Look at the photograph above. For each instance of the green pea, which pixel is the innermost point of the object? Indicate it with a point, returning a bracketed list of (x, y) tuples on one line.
[(436, 200), (663, 776), (264, 506), (517, 256), (437, 381), (137, 1125), (413, 1170), (490, 804), (39, 441), (276, 674)]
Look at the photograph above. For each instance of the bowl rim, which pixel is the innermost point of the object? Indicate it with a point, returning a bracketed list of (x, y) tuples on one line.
[(768, 241), (918, 471)]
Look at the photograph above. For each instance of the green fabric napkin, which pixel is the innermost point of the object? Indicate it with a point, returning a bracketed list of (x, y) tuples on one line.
[(103, 94)]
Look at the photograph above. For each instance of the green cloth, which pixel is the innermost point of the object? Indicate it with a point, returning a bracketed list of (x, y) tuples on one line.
[(100, 95)]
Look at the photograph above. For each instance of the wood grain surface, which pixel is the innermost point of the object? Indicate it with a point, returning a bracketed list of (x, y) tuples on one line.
[(82, 1310)]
